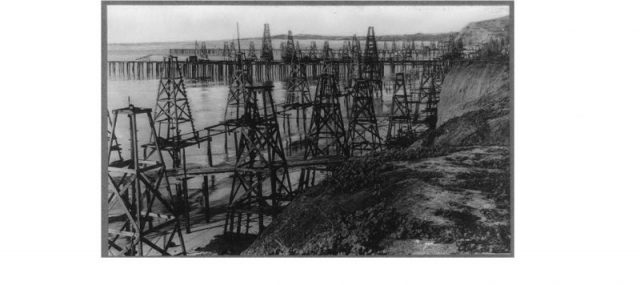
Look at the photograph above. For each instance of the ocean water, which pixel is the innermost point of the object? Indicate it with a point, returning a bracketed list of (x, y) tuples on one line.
[(207, 103)]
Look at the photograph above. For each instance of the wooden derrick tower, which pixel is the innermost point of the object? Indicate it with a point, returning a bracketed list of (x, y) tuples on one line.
[(400, 115), (355, 62), (327, 137), (363, 126), (240, 80), (226, 52), (267, 49), (313, 51), (371, 67), (172, 113), (142, 218), (260, 164), (252, 52), (428, 95), (298, 95), (327, 52)]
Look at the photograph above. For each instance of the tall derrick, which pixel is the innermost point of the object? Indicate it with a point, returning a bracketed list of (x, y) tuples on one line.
[(345, 52), (299, 51), (283, 51), (201, 51), (240, 81), (298, 95), (289, 52), (355, 62), (252, 52), (363, 126), (313, 51), (232, 49), (400, 115), (327, 52), (141, 217), (371, 68), (385, 50), (327, 136), (428, 95), (172, 114), (260, 161), (226, 52), (267, 49)]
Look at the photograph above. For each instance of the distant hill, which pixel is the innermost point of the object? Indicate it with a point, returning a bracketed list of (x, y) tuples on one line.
[(481, 32)]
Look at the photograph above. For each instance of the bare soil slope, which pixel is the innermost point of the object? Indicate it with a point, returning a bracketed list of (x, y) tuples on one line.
[(401, 203)]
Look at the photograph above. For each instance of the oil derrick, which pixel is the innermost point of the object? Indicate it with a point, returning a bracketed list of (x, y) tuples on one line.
[(252, 52), (232, 49), (354, 65), (142, 220), (260, 161), (327, 136), (200, 51), (454, 48), (429, 95), (172, 113), (267, 49), (394, 50), (413, 48), (289, 51), (345, 52), (406, 50), (298, 50), (433, 96), (226, 52), (400, 115), (283, 51), (240, 81), (371, 69), (363, 126), (115, 146), (385, 50), (327, 53), (298, 96), (313, 51)]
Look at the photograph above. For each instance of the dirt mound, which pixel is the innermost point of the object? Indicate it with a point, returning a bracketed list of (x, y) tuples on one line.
[(400, 203)]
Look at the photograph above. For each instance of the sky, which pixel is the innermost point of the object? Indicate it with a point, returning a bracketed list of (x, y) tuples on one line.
[(166, 23)]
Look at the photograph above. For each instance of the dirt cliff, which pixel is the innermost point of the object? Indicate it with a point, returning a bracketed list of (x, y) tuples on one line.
[(481, 32), (475, 104)]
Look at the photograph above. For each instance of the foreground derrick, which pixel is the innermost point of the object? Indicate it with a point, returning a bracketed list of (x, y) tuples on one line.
[(172, 114), (142, 219), (327, 137), (363, 126), (260, 161)]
